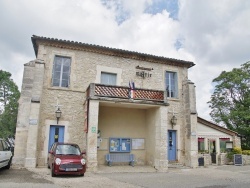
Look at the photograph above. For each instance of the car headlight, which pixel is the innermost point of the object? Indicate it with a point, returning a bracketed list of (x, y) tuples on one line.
[(58, 161), (83, 161)]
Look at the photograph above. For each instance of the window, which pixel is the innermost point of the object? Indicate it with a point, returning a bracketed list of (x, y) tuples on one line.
[(223, 144), (108, 78), (68, 150), (201, 146), (171, 84), (61, 71)]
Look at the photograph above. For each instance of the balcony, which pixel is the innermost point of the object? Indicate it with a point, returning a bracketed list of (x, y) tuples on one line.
[(122, 94)]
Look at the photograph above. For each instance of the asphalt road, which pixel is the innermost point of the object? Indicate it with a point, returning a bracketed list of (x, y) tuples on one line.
[(212, 177)]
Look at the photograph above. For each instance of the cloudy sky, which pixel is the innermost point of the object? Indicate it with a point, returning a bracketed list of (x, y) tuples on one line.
[(214, 34)]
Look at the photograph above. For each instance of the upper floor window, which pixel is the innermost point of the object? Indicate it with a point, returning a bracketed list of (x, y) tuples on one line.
[(171, 84), (108, 78), (61, 71)]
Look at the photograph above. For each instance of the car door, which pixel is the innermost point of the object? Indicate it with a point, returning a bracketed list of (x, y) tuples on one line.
[(8, 153), (3, 155)]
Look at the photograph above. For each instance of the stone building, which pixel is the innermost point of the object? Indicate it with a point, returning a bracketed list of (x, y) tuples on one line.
[(155, 118)]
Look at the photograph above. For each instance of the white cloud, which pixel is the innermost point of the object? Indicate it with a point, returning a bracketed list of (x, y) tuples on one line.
[(214, 34)]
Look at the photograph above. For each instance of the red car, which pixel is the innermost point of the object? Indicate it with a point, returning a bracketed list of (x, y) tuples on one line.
[(66, 158)]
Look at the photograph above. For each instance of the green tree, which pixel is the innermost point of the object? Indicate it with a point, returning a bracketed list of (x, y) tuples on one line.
[(9, 95), (230, 102)]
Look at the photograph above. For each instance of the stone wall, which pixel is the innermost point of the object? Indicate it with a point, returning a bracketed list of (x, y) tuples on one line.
[(29, 115), (207, 159), (190, 124)]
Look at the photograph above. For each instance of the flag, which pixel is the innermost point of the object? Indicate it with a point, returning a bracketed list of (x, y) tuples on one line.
[(132, 89)]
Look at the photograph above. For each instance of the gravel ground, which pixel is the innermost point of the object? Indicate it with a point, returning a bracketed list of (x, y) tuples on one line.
[(131, 177)]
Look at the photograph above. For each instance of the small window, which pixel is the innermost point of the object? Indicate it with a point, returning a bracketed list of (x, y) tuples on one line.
[(108, 78), (61, 71), (171, 84)]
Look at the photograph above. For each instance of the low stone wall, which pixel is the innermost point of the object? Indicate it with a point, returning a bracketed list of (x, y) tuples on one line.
[(246, 159), (222, 159), (207, 159)]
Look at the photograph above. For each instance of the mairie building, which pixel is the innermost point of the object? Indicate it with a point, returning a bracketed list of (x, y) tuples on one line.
[(106, 100)]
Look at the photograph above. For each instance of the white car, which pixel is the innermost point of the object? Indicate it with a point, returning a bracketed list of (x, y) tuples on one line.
[(5, 154)]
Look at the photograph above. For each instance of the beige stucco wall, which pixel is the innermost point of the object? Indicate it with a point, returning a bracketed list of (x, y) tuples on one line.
[(124, 123), (151, 137)]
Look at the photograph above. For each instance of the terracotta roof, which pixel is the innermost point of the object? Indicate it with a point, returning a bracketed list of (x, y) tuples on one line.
[(217, 127), (36, 40)]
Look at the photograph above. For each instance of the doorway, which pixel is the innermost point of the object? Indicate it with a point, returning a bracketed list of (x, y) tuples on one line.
[(212, 150), (172, 145), (56, 134)]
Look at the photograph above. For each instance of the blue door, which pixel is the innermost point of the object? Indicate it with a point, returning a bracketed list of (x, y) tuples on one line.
[(172, 145), (56, 134)]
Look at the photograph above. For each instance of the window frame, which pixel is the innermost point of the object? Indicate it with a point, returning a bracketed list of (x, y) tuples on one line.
[(222, 142), (108, 73), (168, 81), (62, 66), (201, 144)]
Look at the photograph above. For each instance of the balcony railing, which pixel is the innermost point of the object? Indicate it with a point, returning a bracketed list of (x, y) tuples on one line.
[(120, 92)]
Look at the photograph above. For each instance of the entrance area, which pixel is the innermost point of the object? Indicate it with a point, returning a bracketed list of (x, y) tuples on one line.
[(172, 145), (213, 150), (56, 134)]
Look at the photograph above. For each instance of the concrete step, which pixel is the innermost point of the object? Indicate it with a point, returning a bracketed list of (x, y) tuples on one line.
[(175, 165)]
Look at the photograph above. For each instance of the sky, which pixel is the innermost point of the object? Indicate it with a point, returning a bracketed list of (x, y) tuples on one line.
[(213, 34)]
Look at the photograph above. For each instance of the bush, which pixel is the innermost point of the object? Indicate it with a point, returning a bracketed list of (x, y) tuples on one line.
[(230, 154), (237, 150), (246, 152)]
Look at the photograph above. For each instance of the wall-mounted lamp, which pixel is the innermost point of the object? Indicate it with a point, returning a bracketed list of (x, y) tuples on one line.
[(58, 114), (173, 121), (98, 134)]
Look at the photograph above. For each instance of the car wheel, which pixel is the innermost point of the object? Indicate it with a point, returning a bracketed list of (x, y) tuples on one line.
[(52, 172), (82, 174), (8, 166)]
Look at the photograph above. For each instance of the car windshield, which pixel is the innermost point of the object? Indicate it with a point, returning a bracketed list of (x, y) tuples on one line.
[(68, 150)]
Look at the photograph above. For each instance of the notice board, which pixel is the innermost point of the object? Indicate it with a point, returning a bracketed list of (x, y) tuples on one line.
[(138, 143), (119, 145), (238, 160)]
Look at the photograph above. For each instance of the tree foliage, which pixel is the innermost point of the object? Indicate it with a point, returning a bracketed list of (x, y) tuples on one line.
[(9, 95), (230, 102)]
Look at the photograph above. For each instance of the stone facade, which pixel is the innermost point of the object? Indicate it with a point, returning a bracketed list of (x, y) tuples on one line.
[(110, 115)]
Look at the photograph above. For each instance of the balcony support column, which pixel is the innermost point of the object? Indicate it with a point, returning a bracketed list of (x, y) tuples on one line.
[(92, 135)]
